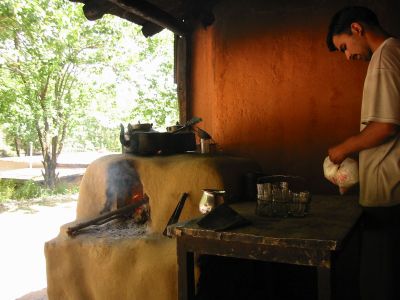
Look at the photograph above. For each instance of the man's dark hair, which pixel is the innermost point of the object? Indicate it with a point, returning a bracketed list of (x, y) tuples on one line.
[(342, 20)]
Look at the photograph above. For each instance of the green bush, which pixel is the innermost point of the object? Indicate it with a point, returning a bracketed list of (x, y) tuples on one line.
[(10, 189), (7, 188), (63, 189), (28, 190)]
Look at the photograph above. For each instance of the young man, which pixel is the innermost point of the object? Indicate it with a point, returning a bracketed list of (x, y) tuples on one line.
[(356, 32)]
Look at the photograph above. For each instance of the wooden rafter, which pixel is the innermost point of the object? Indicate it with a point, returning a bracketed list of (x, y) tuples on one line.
[(152, 18), (153, 14)]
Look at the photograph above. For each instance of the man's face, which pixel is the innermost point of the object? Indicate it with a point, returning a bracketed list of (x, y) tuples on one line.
[(354, 46)]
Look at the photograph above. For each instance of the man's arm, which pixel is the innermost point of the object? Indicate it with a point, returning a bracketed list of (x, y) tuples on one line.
[(374, 134)]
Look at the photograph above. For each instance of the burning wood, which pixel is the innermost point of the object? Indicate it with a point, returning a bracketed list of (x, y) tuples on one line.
[(123, 212)]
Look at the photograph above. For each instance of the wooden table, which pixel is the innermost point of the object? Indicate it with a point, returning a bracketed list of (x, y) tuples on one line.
[(310, 241)]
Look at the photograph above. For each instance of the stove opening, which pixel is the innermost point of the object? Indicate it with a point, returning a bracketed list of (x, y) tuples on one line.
[(123, 188)]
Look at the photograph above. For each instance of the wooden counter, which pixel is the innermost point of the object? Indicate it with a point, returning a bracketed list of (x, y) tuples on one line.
[(311, 241)]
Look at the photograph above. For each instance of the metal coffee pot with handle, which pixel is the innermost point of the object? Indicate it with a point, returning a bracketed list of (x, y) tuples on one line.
[(210, 199), (128, 139)]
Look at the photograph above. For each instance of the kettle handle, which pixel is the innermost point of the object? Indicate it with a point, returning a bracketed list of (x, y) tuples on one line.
[(122, 138), (189, 123)]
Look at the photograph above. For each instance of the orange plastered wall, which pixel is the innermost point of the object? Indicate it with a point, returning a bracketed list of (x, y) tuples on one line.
[(267, 87)]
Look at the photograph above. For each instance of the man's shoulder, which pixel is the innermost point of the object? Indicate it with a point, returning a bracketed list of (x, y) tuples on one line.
[(391, 45), (388, 56), (391, 42)]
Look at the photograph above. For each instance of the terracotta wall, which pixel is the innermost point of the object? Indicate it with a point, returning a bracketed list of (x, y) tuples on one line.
[(267, 87)]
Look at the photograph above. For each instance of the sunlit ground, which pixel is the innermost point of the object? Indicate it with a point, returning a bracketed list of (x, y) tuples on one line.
[(25, 228), (22, 236), (63, 158)]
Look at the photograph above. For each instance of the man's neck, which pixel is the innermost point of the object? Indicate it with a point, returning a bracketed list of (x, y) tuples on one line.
[(376, 38)]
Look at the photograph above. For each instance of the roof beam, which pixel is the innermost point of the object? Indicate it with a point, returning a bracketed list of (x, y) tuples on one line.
[(153, 14)]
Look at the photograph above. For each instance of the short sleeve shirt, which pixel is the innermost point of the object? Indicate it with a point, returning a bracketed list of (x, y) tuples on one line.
[(380, 166)]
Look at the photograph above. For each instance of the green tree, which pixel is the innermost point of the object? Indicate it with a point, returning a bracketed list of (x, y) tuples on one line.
[(45, 46), (155, 99), (142, 72), (63, 78)]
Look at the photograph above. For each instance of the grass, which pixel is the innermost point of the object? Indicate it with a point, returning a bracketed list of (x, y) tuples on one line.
[(14, 190)]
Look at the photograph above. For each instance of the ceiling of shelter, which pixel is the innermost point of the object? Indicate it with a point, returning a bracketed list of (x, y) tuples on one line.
[(154, 15)]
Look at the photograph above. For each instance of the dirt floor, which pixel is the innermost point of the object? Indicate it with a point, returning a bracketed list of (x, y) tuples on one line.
[(24, 228)]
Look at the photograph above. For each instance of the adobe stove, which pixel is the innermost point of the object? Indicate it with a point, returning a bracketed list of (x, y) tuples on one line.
[(131, 258)]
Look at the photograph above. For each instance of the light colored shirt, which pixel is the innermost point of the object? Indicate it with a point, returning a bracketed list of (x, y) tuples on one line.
[(379, 167)]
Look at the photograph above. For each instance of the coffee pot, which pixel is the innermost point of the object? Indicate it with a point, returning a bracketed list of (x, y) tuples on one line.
[(210, 199)]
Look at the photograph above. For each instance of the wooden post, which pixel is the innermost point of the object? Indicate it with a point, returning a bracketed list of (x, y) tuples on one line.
[(183, 75)]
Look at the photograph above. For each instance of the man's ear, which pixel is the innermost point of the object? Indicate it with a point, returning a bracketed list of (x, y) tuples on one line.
[(357, 28)]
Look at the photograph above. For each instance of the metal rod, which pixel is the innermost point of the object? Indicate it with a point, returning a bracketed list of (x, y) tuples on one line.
[(177, 212)]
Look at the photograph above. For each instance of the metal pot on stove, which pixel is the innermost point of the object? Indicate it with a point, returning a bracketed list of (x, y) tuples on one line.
[(128, 139), (141, 139), (143, 127), (175, 127)]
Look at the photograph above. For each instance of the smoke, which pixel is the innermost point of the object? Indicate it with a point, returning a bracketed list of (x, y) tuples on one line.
[(123, 185)]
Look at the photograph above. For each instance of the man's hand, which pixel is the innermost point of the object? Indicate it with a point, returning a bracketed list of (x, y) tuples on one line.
[(338, 153)]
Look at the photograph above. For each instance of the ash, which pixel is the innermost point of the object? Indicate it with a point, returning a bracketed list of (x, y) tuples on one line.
[(116, 229)]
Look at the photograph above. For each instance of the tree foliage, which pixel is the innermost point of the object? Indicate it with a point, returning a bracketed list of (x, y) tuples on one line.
[(155, 99), (62, 77), (144, 87), (45, 45)]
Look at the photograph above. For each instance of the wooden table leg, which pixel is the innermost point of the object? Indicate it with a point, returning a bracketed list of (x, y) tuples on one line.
[(186, 290), (324, 284)]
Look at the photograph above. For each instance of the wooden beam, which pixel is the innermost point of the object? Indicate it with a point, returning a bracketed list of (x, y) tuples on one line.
[(149, 29), (153, 14), (183, 75), (94, 11)]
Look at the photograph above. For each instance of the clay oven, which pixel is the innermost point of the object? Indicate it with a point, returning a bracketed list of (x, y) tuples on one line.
[(126, 260)]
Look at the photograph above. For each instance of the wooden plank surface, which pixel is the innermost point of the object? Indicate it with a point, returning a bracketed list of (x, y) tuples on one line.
[(326, 227)]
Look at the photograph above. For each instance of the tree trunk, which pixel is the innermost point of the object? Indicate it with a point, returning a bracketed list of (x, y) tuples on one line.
[(49, 175), (17, 147), (50, 163)]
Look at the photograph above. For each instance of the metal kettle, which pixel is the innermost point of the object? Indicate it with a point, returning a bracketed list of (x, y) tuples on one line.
[(210, 199), (127, 138)]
